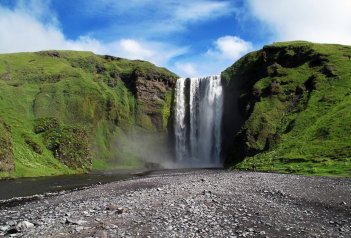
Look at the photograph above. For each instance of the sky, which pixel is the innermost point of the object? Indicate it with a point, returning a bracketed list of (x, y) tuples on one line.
[(191, 38)]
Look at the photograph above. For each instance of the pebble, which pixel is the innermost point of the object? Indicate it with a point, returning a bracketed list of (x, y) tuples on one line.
[(4, 228), (74, 221), (200, 203), (23, 225), (79, 228), (101, 234)]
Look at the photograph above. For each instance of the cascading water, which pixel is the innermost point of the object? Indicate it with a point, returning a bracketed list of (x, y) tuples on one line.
[(198, 117)]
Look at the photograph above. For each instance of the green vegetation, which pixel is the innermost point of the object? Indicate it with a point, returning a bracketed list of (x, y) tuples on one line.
[(62, 111), (69, 144), (295, 98), (6, 153), (65, 112)]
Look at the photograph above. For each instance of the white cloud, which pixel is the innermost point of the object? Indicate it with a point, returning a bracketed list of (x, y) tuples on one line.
[(23, 32), (229, 48), (40, 9), (156, 52), (200, 10), (135, 49), (325, 21), (186, 69), (225, 51), (157, 16)]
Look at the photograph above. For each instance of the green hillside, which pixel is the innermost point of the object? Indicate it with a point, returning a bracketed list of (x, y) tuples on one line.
[(66, 112), (293, 102), (287, 108)]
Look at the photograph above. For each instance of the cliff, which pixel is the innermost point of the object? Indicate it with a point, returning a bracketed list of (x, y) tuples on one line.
[(288, 109), (67, 111)]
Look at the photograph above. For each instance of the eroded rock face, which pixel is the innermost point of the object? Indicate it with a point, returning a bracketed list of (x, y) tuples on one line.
[(154, 92), (6, 153)]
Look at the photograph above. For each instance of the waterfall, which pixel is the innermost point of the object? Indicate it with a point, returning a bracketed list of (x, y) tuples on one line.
[(198, 116)]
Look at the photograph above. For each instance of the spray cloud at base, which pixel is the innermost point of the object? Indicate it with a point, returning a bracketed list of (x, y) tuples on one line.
[(140, 149)]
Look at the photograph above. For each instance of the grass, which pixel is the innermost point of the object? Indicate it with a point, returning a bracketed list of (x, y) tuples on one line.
[(305, 166), (80, 90), (301, 121)]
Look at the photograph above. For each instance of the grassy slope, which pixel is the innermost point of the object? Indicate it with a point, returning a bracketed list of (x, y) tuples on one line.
[(77, 88), (293, 126)]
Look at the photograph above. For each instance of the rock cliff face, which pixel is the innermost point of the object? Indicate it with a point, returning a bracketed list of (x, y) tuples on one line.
[(153, 91), (88, 106), (287, 108)]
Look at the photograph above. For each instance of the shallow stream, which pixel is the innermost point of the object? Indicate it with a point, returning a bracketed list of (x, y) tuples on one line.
[(24, 187)]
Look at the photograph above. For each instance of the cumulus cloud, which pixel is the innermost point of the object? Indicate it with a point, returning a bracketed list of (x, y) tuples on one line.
[(229, 48), (325, 21), (156, 52), (23, 32)]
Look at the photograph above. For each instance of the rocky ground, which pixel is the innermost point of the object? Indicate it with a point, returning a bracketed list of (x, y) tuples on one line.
[(191, 203)]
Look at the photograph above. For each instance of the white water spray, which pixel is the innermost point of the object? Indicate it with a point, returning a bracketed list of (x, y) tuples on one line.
[(198, 117)]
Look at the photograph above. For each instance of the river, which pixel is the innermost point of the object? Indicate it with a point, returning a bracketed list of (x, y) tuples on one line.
[(25, 187)]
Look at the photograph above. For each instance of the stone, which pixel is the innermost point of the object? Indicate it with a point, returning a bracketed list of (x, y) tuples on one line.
[(101, 234), (87, 214), (206, 193), (4, 228), (24, 225), (169, 228), (120, 210), (74, 221), (11, 223), (111, 207), (12, 230), (79, 228)]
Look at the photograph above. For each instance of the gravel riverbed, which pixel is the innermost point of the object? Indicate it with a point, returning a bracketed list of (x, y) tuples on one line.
[(191, 203)]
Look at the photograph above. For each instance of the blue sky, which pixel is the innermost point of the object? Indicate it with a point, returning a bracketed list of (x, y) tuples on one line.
[(191, 38)]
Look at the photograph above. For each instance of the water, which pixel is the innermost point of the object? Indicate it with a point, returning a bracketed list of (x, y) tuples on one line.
[(198, 116), (24, 187)]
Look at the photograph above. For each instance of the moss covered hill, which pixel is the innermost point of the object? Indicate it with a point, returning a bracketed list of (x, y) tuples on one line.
[(65, 111), (288, 109)]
